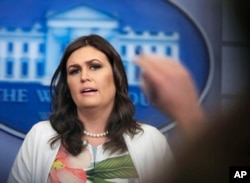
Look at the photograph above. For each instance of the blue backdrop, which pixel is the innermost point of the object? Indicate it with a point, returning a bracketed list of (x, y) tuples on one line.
[(33, 35)]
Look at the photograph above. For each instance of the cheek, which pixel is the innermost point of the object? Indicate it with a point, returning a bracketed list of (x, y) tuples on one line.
[(108, 82), (70, 86)]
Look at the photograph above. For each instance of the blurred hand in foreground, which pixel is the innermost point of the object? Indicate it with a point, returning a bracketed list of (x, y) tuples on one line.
[(169, 86)]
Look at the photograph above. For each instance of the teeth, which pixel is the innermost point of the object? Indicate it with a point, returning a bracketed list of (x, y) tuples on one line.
[(86, 90)]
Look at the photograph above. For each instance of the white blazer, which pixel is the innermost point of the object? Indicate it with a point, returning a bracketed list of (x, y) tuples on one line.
[(149, 151)]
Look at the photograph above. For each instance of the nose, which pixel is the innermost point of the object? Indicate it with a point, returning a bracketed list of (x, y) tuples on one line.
[(85, 76)]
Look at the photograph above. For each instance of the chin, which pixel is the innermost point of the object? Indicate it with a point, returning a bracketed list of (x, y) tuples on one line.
[(86, 106)]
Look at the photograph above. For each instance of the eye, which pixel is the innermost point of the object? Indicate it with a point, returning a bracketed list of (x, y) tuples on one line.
[(95, 66), (74, 71)]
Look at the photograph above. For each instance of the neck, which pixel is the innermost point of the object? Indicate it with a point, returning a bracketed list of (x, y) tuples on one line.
[(94, 120)]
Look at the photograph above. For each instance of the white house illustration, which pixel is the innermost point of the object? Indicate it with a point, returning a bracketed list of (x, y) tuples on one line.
[(33, 55)]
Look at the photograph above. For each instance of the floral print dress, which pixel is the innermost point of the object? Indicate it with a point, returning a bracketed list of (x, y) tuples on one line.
[(92, 165)]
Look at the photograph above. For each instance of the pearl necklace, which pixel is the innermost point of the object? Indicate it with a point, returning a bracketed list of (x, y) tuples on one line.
[(96, 135)]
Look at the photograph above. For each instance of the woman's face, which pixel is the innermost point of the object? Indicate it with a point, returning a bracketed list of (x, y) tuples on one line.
[(90, 79)]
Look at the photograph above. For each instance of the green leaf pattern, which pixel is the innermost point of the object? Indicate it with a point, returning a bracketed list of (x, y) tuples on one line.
[(111, 168)]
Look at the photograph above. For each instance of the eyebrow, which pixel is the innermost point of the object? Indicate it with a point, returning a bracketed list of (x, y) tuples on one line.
[(87, 62)]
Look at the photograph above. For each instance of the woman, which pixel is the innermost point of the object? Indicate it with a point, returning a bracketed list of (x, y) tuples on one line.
[(91, 135)]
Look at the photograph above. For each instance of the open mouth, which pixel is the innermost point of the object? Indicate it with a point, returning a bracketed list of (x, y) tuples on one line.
[(88, 90)]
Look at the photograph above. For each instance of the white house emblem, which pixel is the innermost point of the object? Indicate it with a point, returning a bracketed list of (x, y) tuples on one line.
[(29, 56)]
